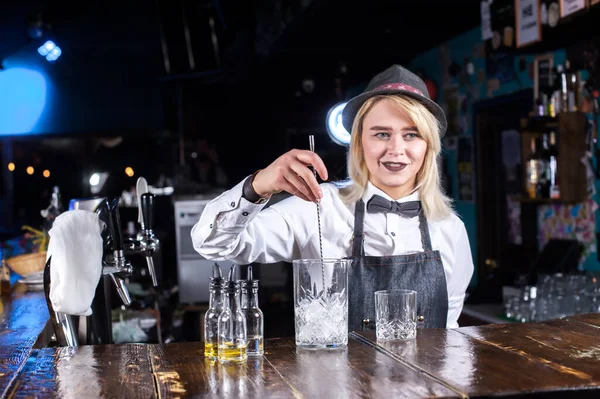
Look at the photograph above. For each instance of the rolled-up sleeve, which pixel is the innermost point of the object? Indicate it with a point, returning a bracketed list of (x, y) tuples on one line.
[(462, 271), (232, 228)]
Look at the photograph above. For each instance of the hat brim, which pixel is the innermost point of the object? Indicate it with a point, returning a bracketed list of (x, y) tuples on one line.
[(352, 107)]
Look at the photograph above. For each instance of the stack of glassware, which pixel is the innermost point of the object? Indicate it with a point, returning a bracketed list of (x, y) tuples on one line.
[(233, 324), (555, 296)]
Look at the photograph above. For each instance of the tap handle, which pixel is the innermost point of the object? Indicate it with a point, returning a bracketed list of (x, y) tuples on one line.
[(115, 225), (147, 206), (141, 187), (121, 289)]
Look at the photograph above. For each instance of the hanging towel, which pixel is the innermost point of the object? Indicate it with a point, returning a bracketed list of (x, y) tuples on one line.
[(76, 249)]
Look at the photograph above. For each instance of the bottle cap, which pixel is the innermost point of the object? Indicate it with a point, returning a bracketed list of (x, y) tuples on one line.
[(232, 286), (217, 281), (249, 282)]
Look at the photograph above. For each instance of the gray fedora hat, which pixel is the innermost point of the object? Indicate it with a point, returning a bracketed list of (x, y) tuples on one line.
[(395, 80)]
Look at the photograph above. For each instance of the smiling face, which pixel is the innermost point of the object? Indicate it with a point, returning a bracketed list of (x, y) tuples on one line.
[(393, 149)]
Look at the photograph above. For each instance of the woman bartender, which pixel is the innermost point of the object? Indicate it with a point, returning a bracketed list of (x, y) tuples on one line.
[(391, 217)]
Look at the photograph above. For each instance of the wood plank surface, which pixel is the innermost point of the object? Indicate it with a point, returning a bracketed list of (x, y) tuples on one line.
[(103, 371), (593, 319), (477, 368), (23, 317), (180, 370), (284, 372), (576, 326), (574, 356), (358, 371), (558, 358)]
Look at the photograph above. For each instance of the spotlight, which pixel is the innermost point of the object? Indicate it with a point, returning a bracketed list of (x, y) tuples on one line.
[(30, 170), (94, 179), (11, 166), (129, 171), (50, 50), (336, 130), (97, 181)]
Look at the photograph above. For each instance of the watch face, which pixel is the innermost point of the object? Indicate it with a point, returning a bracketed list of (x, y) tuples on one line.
[(553, 14)]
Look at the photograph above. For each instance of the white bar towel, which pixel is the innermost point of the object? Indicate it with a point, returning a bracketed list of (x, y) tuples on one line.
[(76, 249)]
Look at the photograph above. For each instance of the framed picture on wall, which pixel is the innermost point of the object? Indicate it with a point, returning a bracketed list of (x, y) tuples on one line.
[(543, 76), (528, 22), (570, 7)]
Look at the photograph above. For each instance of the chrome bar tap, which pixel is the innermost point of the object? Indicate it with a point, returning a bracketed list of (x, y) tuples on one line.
[(145, 243), (149, 244), (118, 267)]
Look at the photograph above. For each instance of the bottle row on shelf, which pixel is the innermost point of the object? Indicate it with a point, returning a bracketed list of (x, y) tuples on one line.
[(542, 168)]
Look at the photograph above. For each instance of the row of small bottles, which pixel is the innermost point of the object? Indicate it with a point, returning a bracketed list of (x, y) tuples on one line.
[(563, 95), (233, 324), (542, 167)]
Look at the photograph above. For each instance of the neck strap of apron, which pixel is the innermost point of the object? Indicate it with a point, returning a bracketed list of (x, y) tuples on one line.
[(359, 218)]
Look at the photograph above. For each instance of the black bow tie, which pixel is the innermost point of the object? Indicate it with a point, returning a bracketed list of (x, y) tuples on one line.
[(408, 209)]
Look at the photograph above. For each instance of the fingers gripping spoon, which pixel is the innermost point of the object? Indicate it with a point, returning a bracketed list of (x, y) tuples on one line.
[(311, 142)]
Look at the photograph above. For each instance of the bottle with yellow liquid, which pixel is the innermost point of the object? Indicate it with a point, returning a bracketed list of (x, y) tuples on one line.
[(232, 325), (253, 314), (211, 318)]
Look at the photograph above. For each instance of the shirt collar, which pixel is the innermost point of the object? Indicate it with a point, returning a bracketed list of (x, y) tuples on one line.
[(372, 190)]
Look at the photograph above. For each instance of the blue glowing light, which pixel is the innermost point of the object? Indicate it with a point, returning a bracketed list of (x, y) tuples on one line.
[(50, 50), (46, 48), (336, 130), (22, 100), (54, 54)]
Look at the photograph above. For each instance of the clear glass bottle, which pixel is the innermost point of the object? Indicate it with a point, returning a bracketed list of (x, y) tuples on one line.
[(211, 319), (253, 314), (232, 325)]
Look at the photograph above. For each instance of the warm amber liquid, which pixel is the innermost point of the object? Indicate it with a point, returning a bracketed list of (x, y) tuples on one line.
[(210, 350), (232, 353)]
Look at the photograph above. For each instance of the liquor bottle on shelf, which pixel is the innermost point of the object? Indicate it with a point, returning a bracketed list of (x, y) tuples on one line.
[(532, 171), (540, 111), (553, 167), (563, 87), (544, 165), (572, 87)]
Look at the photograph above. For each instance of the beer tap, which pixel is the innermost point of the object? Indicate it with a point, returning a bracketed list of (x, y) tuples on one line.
[(146, 243), (149, 243), (118, 267)]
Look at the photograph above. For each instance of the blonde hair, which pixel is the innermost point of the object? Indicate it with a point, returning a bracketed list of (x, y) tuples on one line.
[(435, 203)]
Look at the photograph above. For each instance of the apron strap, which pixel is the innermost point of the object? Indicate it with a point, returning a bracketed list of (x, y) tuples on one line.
[(424, 228), (359, 217)]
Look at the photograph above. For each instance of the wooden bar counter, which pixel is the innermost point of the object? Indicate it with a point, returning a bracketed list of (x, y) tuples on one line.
[(560, 358)]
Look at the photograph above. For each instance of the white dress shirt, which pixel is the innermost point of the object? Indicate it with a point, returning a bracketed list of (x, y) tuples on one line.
[(234, 229)]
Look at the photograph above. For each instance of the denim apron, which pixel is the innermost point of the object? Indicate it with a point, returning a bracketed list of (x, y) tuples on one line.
[(421, 271)]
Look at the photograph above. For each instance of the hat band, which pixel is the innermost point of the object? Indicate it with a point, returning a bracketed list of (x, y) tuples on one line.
[(398, 86)]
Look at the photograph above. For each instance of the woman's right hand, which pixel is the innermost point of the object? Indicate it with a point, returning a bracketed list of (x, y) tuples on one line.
[(290, 172)]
